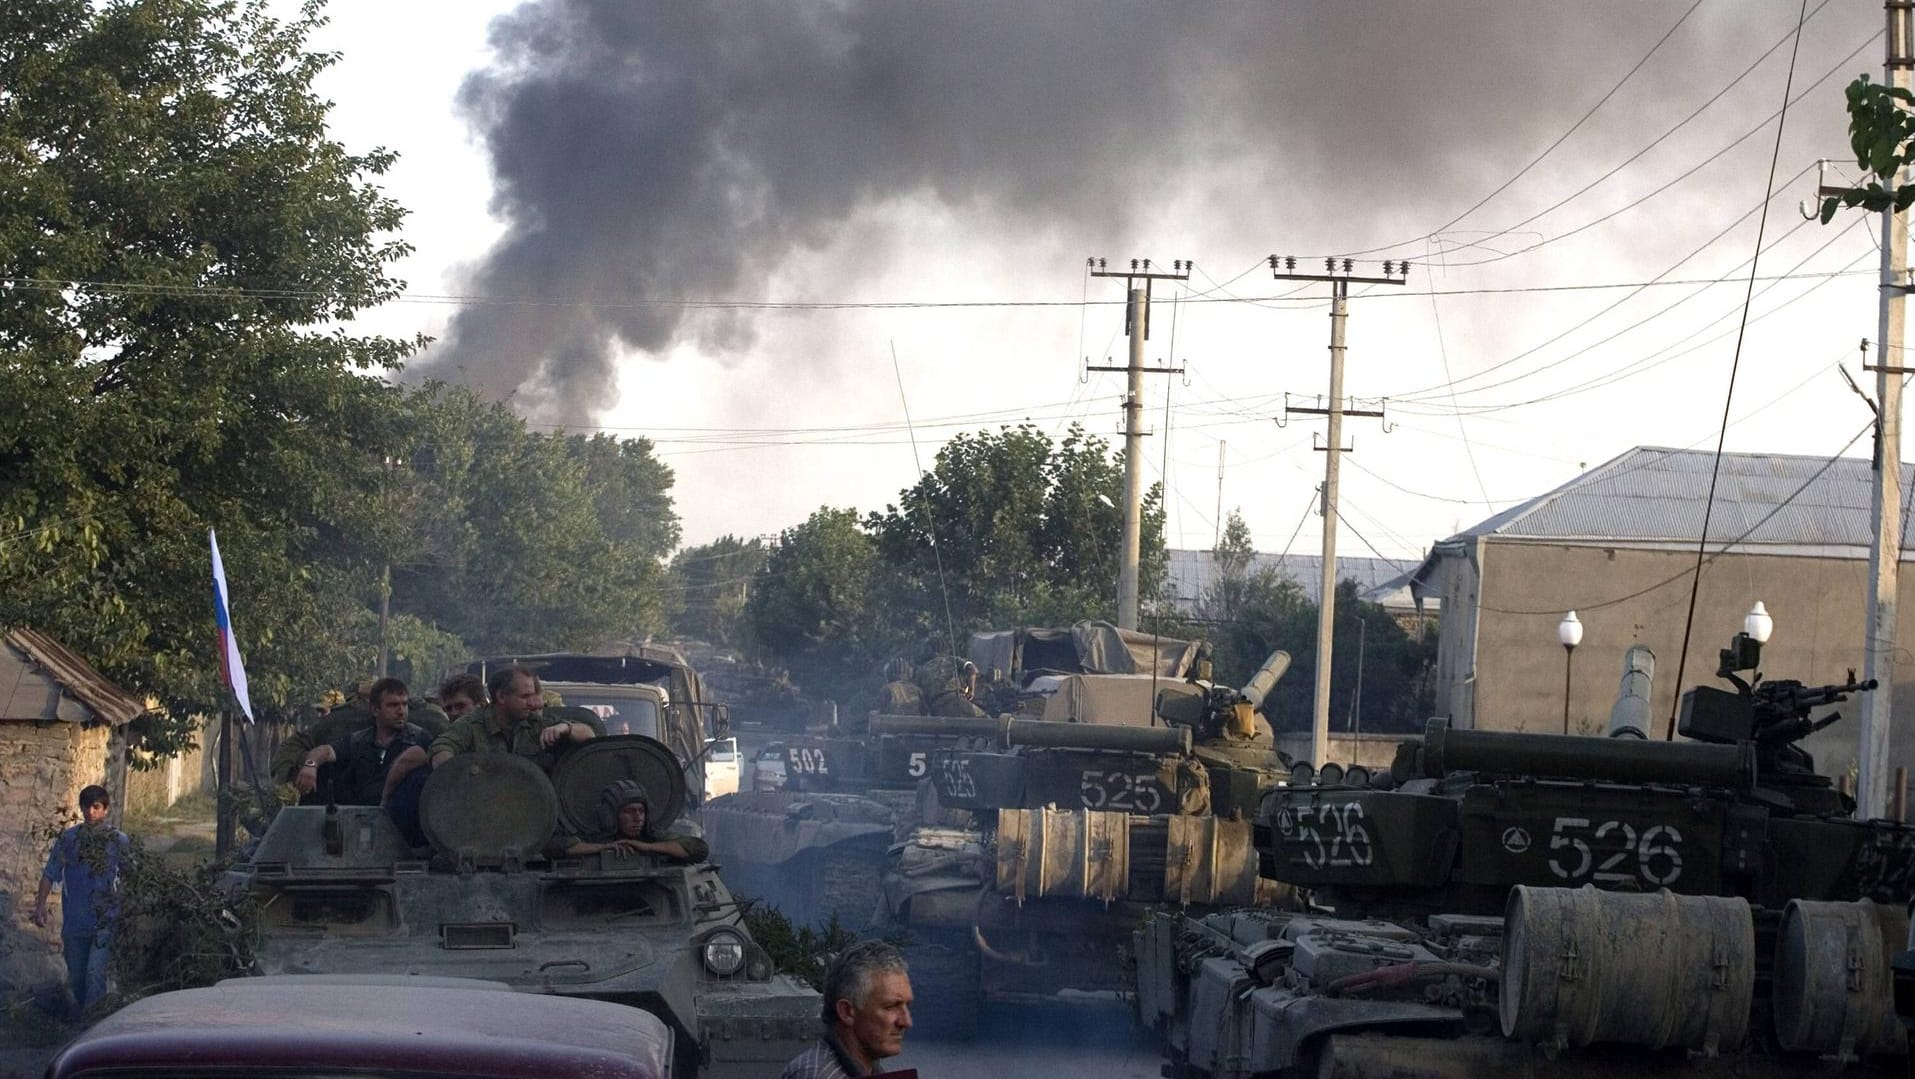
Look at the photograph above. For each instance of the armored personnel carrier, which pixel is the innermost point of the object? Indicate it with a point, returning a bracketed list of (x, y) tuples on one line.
[(1075, 831), (340, 893), (1505, 903), (818, 849)]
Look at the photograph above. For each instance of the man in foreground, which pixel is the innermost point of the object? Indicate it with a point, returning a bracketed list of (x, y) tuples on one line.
[(867, 1009)]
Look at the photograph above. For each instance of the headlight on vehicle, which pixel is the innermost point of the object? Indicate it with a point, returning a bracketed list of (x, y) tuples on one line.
[(724, 953)]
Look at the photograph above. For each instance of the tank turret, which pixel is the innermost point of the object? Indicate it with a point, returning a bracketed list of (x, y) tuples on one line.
[(1609, 905)]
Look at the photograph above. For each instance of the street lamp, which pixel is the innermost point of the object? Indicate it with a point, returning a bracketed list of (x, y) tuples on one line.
[(1757, 623), (1570, 632)]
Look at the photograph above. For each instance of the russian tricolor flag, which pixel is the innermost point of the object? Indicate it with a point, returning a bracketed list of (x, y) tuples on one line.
[(231, 670)]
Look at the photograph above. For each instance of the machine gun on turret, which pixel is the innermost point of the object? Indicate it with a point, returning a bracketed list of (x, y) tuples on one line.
[(1773, 715)]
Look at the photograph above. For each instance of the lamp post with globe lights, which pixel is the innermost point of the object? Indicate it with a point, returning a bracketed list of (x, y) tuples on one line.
[(1570, 632)]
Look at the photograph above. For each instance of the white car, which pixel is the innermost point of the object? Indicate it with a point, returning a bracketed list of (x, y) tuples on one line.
[(721, 767), (768, 768)]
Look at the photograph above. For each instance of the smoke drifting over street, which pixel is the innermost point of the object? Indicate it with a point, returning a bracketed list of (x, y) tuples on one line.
[(646, 152)]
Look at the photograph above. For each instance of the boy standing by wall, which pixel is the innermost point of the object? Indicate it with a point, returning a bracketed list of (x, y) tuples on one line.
[(86, 861)]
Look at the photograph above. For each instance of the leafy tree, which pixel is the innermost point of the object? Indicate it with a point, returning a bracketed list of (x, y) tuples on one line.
[(1882, 136), (712, 581), (177, 234), (1026, 531), (523, 541), (812, 605), (1234, 557)]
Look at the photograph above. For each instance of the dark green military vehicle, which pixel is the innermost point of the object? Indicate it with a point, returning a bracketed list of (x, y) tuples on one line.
[(1065, 835), (818, 849), (1506, 903), (339, 892)]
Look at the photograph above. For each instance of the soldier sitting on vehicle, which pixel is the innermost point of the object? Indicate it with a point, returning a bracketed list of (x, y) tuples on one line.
[(515, 722), (625, 820), (362, 759), (341, 719), (461, 695), (900, 696), (949, 684)]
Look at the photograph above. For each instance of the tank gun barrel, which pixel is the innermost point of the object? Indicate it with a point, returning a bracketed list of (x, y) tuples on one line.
[(1262, 682), (958, 726), (1447, 750), (1041, 733)]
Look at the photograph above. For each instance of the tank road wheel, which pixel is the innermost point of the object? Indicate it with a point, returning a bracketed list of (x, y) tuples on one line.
[(946, 984)]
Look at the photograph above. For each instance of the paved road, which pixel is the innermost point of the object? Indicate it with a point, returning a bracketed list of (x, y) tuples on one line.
[(1075, 1041)]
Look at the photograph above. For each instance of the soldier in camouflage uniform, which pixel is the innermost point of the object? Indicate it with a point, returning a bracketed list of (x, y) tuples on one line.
[(948, 684), (900, 696)]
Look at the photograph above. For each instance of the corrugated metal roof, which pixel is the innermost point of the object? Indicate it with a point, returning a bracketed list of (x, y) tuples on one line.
[(1190, 574), (42, 679), (1654, 494)]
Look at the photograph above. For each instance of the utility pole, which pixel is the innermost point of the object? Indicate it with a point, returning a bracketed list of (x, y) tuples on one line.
[(1394, 273), (1885, 503), (1218, 541), (1137, 326)]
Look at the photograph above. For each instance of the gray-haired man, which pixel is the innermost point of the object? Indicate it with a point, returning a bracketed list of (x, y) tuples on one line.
[(867, 1009)]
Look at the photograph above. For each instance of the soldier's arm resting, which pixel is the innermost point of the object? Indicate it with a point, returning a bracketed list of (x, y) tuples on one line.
[(289, 755), (402, 766), (565, 731), (307, 778)]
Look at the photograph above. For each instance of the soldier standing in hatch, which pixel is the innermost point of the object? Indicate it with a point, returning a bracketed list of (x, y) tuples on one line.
[(362, 760), (949, 684), (625, 814), (867, 1009)]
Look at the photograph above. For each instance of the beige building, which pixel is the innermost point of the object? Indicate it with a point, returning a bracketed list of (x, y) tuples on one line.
[(1618, 546), (62, 727)]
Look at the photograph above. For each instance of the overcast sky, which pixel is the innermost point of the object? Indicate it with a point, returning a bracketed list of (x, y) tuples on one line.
[(576, 171)]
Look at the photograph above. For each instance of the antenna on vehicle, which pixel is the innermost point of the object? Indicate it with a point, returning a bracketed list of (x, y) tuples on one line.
[(930, 523)]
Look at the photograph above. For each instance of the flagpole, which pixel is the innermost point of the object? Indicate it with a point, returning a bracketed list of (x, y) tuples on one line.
[(223, 832)]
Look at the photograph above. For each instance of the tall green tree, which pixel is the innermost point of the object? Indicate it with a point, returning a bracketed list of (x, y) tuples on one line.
[(712, 582), (178, 239), (521, 541), (1014, 528), (813, 605)]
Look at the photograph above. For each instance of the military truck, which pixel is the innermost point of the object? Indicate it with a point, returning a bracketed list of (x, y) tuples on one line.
[(1072, 832), (1506, 903), (817, 850), (339, 892)]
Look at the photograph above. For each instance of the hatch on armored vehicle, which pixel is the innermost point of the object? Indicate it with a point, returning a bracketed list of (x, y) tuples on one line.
[(340, 893)]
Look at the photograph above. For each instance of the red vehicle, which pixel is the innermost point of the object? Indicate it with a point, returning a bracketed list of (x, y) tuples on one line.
[(405, 1028)]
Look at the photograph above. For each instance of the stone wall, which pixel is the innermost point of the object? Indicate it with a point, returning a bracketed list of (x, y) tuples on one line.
[(173, 778), (43, 766)]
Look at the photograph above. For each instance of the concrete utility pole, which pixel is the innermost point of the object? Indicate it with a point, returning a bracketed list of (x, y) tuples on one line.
[(1394, 273), (1137, 325), (1885, 504)]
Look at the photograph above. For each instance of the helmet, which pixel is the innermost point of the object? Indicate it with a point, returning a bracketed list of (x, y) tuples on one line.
[(898, 670), (615, 796)]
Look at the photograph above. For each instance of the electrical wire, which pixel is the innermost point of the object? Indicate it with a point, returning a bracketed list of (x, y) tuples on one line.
[(1735, 365)]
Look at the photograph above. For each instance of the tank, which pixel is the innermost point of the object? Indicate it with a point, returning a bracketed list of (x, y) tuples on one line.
[(340, 893), (1062, 837), (818, 849), (1507, 903)]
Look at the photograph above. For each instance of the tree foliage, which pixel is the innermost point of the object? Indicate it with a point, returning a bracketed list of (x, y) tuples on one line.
[(1009, 527), (1026, 530), (180, 243), (712, 583), (1882, 137)]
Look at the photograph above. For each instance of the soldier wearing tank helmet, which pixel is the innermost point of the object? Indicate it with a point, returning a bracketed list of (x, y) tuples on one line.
[(627, 824), (949, 683)]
